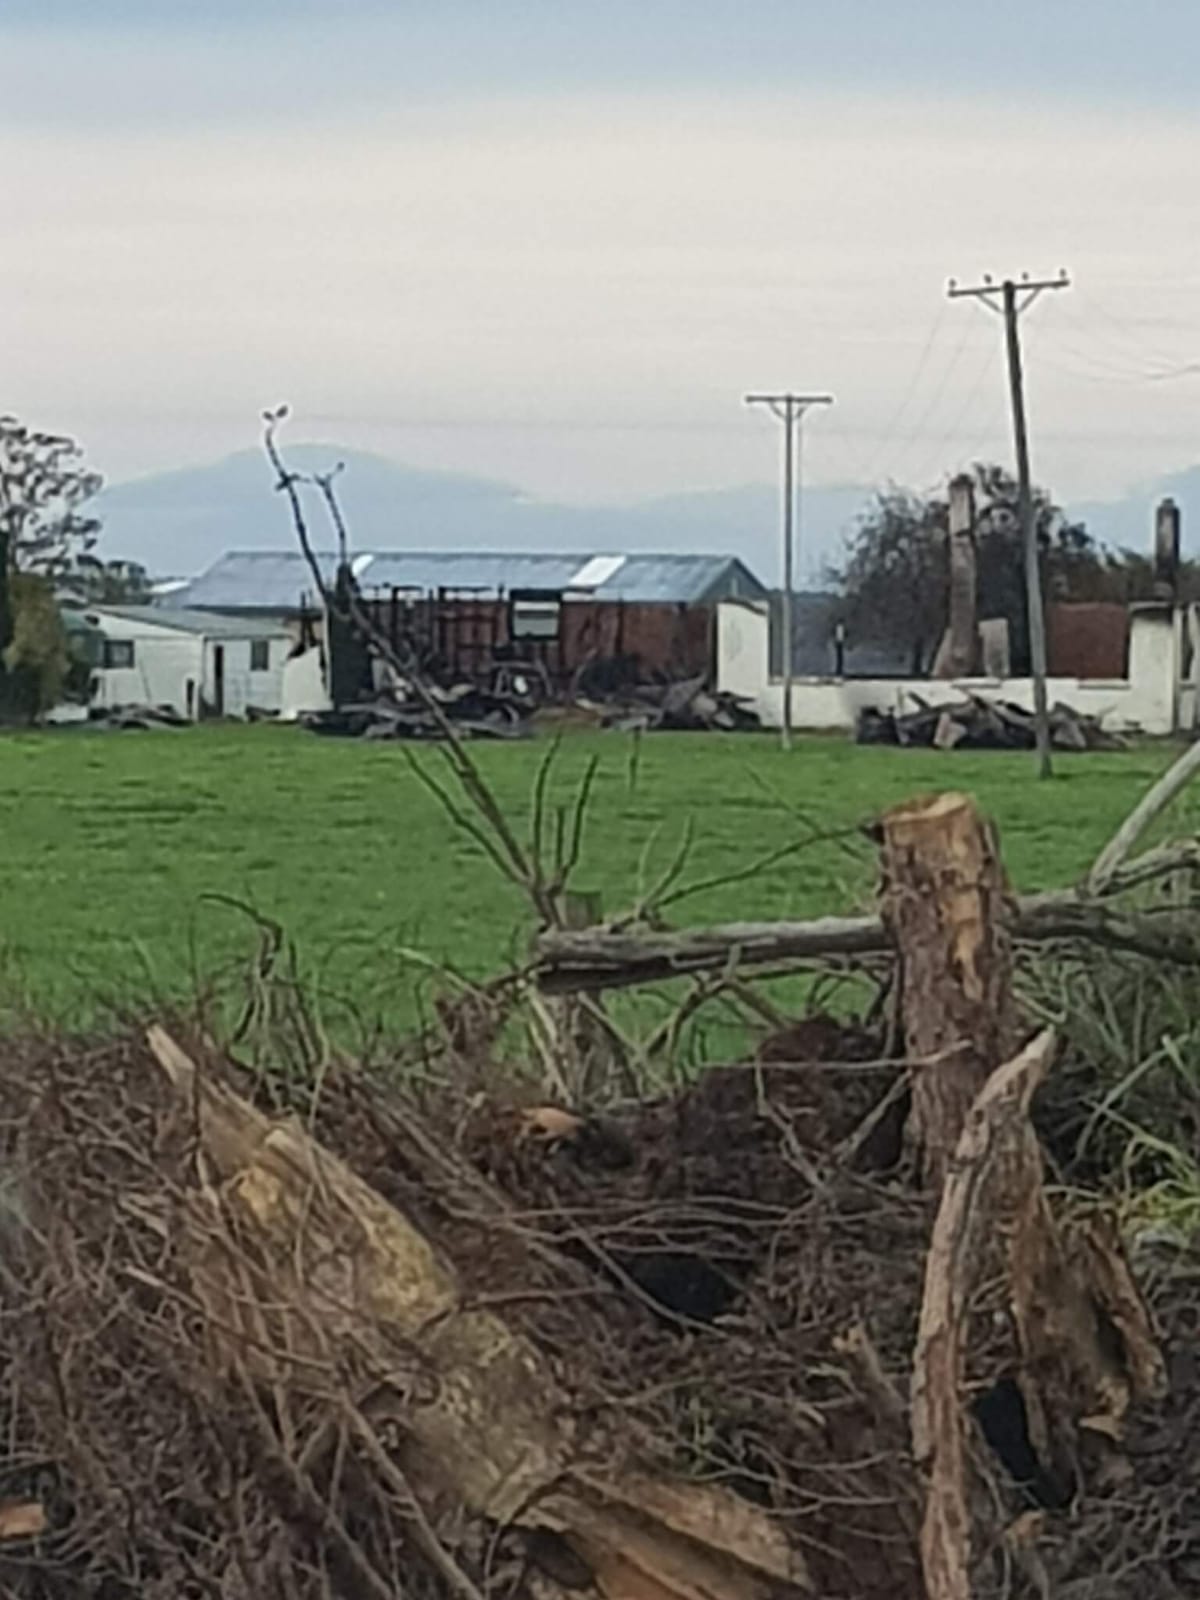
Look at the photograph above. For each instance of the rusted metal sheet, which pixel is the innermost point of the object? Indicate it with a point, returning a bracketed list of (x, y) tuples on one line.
[(463, 635), (1088, 640)]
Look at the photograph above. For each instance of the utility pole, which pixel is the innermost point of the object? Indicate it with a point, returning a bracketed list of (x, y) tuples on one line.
[(1010, 299), (790, 409)]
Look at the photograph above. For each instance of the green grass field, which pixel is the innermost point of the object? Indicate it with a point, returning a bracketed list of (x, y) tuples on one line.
[(112, 844)]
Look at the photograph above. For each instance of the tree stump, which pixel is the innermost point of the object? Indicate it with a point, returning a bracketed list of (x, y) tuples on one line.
[(947, 906), (1071, 1331)]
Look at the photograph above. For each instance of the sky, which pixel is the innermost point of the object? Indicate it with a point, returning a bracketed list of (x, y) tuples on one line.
[(555, 243)]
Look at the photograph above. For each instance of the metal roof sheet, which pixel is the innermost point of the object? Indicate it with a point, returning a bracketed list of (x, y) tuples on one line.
[(208, 623), (279, 580)]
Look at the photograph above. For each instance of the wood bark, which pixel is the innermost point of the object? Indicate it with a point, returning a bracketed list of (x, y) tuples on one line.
[(611, 958), (307, 1274), (1081, 1344), (948, 908), (997, 1117)]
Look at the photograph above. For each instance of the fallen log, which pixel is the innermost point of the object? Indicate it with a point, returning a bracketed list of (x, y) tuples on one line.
[(305, 1272), (613, 958), (606, 958)]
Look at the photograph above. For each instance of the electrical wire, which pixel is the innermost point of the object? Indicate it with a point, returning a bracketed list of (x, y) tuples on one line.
[(1103, 353), (888, 435), (937, 457), (1123, 337), (914, 432)]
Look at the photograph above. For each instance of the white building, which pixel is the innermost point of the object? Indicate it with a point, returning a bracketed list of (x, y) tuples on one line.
[(198, 663)]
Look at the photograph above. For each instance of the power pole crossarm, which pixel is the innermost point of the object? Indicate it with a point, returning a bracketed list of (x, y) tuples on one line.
[(790, 409), (1010, 299)]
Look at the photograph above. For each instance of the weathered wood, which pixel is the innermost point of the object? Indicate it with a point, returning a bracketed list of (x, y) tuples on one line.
[(1081, 1343), (947, 906), (1149, 808), (307, 1273), (983, 724), (608, 958), (997, 1117)]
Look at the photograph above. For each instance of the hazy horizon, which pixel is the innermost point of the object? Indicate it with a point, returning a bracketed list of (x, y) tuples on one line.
[(555, 248), (179, 521)]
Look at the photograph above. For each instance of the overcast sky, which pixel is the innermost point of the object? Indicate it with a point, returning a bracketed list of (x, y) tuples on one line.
[(554, 242)]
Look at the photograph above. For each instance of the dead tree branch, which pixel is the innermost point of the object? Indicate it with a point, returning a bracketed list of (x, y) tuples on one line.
[(601, 958), (938, 1429), (520, 863), (1149, 808)]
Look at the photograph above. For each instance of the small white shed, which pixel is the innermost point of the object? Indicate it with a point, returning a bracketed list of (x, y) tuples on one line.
[(199, 663)]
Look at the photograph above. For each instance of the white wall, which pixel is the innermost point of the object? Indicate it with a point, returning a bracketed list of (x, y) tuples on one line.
[(167, 660), (164, 662), (304, 686), (1152, 699), (243, 688), (743, 647)]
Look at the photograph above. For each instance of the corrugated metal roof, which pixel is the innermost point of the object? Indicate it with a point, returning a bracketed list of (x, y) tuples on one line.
[(277, 580), (208, 623)]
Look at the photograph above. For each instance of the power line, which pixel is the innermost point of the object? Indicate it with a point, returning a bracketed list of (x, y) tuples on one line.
[(1121, 365), (1132, 340), (918, 427), (889, 431), (937, 458)]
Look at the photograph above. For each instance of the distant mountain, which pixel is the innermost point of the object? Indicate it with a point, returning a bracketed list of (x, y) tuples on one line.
[(179, 522)]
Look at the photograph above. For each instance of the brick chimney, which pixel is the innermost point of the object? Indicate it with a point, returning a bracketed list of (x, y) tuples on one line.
[(1166, 550)]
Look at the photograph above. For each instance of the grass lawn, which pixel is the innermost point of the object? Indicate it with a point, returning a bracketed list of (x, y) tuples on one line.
[(112, 842)]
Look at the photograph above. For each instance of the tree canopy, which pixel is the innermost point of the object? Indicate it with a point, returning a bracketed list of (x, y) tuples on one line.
[(46, 534), (45, 487)]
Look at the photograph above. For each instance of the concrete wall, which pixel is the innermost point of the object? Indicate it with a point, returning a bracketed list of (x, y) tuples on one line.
[(1153, 698)]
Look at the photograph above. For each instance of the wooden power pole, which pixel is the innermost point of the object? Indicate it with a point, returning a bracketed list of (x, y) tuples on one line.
[(1010, 299)]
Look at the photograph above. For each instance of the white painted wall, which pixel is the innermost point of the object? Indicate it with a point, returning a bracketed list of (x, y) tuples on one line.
[(743, 647), (303, 685), (165, 661), (1152, 699), (178, 669), (245, 688)]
